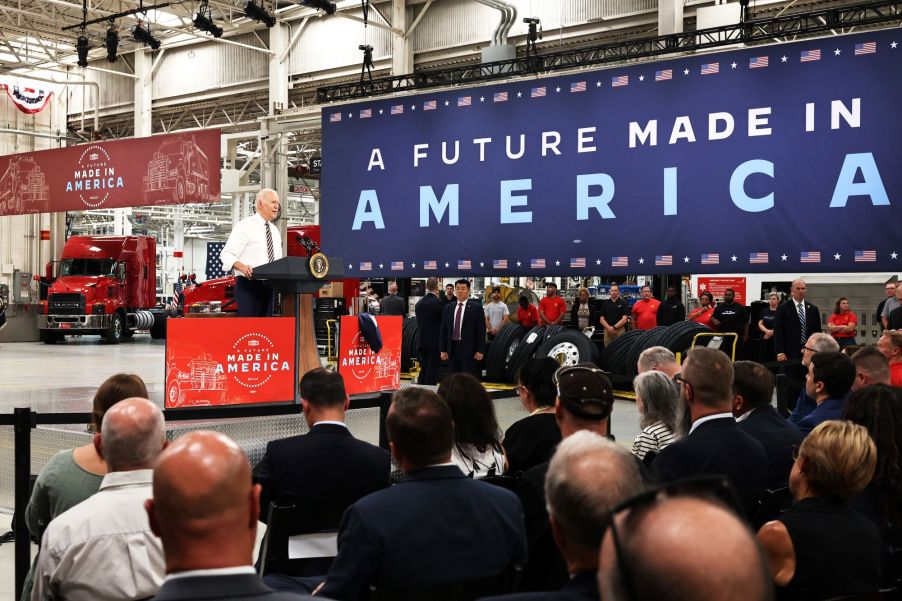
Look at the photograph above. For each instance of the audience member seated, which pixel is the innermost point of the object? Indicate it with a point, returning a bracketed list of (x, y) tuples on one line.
[(871, 367), (658, 358), (531, 440), (817, 343), (658, 402), (821, 548), (680, 549), (477, 439), (103, 548), (587, 477), (830, 376), (715, 445), (890, 345), (436, 526), (205, 510), (753, 391)]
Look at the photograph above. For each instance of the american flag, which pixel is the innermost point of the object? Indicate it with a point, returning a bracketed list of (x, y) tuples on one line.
[(865, 256), (397, 265), (537, 263), (810, 256), (538, 92), (499, 264), (465, 264), (758, 62), (334, 117), (578, 262), (500, 96), (578, 86), (866, 48), (664, 260), (366, 266), (429, 105), (366, 113), (808, 56), (620, 261), (710, 68), (664, 75), (620, 80), (430, 265), (710, 258), (214, 263), (464, 101), (759, 258), (397, 109)]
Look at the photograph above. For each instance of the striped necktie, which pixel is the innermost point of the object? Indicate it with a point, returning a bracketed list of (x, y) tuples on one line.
[(801, 308), (269, 251)]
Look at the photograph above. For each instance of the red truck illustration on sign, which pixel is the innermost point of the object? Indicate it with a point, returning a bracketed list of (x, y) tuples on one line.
[(178, 172), (23, 184)]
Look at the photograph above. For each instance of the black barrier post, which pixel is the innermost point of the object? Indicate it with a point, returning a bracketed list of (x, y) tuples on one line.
[(22, 448), (384, 403), (780, 382)]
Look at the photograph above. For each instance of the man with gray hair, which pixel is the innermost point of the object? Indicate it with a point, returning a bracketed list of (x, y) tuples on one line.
[(588, 476), (103, 547), (660, 359), (816, 343), (795, 322), (393, 304), (254, 241)]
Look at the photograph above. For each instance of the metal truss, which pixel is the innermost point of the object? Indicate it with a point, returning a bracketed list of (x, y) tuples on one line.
[(753, 31)]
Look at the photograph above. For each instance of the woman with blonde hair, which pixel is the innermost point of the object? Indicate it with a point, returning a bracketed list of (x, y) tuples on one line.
[(821, 548)]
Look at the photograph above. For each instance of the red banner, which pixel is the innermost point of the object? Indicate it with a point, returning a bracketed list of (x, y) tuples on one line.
[(362, 369), (717, 286), (229, 361), (168, 169)]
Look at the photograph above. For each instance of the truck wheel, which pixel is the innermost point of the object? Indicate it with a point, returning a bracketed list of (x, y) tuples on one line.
[(179, 190), (128, 333), (158, 329), (114, 334), (172, 395)]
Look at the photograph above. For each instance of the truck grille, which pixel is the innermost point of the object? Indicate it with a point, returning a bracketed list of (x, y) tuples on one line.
[(67, 304)]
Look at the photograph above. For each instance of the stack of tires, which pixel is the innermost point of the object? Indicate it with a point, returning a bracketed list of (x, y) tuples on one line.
[(620, 357), (409, 340)]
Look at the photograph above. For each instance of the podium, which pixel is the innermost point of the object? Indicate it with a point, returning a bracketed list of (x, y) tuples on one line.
[(291, 277)]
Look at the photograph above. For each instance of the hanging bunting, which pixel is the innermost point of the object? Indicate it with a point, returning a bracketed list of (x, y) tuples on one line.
[(28, 100)]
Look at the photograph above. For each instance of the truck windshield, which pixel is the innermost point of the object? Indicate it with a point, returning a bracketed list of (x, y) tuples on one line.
[(90, 267)]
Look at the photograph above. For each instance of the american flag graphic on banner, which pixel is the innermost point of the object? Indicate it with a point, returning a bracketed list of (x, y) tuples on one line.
[(865, 256), (810, 256), (465, 264), (366, 266), (808, 56), (664, 75), (620, 80), (397, 109), (537, 263), (620, 261), (430, 265), (334, 117), (429, 105), (397, 265), (663, 260), (464, 101), (214, 263), (579, 262), (538, 92), (710, 68), (758, 258), (710, 258), (499, 264), (500, 97), (579, 86), (366, 113), (758, 62), (866, 48)]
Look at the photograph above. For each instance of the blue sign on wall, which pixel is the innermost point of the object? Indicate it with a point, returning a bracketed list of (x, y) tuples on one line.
[(779, 158)]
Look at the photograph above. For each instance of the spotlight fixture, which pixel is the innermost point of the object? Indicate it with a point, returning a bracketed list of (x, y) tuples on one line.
[(258, 13), (325, 5), (203, 20), (112, 42), (143, 35), (82, 47)]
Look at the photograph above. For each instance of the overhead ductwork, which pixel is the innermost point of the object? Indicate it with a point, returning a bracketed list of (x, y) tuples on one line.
[(500, 49)]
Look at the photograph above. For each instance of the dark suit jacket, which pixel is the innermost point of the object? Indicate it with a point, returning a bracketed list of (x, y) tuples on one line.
[(472, 333), (778, 437), (222, 588), (582, 587), (718, 446), (393, 304), (593, 315), (788, 330), (429, 322), (828, 409), (435, 526)]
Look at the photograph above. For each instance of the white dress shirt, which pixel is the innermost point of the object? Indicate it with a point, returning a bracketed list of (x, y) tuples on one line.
[(463, 310), (247, 243), (102, 548), (708, 418)]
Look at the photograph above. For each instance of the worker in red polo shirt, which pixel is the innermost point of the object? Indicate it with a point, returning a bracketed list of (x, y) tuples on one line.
[(644, 315), (551, 308)]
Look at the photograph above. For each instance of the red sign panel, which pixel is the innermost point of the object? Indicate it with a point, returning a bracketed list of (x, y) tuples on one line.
[(717, 286), (229, 361), (168, 169), (362, 369)]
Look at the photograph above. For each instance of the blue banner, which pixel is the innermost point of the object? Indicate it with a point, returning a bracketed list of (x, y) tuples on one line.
[(780, 158)]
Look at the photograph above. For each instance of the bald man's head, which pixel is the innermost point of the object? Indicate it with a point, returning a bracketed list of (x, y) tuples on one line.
[(132, 435), (684, 549)]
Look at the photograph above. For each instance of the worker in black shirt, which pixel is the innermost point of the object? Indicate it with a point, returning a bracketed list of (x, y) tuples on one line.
[(731, 317), (671, 310), (615, 313)]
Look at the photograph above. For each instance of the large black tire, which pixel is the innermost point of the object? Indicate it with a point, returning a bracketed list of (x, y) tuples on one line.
[(409, 341), (128, 333), (648, 339), (499, 354), (567, 347), (524, 352), (553, 331), (678, 337), (158, 329), (113, 334), (613, 358)]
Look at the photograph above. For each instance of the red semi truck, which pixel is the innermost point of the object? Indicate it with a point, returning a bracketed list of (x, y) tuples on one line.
[(103, 285)]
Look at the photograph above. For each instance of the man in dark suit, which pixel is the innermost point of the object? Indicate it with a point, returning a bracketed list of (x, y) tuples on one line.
[(462, 335), (830, 376), (205, 510), (429, 324), (393, 304), (753, 389), (436, 526), (715, 443), (796, 320)]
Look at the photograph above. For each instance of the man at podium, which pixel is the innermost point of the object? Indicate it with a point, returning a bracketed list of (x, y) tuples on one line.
[(253, 242)]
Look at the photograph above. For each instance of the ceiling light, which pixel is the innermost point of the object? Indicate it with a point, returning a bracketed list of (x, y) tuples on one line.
[(258, 13), (82, 47), (144, 35), (112, 42), (203, 20), (325, 5)]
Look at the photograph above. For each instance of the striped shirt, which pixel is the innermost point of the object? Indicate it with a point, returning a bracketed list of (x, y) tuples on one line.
[(652, 438)]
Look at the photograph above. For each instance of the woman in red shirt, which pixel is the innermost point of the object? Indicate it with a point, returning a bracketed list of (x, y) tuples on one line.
[(705, 310), (527, 315), (843, 323)]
